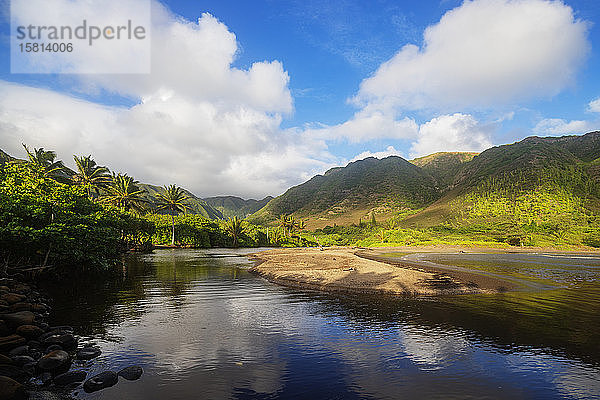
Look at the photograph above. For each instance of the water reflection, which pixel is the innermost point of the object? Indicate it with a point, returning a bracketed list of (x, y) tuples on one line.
[(203, 327)]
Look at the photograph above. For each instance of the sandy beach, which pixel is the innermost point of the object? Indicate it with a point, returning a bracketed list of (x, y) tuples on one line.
[(352, 270)]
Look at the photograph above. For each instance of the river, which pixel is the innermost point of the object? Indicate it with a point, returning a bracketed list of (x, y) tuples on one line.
[(202, 326)]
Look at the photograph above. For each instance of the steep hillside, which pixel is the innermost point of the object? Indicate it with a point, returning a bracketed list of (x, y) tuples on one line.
[(359, 188), (195, 204), (443, 166), (4, 158), (552, 182), (232, 206)]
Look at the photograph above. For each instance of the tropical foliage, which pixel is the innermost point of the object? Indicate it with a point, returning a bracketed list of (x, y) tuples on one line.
[(90, 175), (44, 222), (173, 201)]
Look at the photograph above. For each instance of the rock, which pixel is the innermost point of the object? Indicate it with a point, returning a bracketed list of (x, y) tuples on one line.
[(131, 373), (11, 389), (34, 344), (12, 298), (53, 347), (30, 368), (22, 288), (42, 325), (14, 372), (87, 353), (67, 341), (54, 360), (102, 380), (4, 331), (19, 351), (21, 306), (41, 308), (4, 288), (29, 331), (5, 360), (69, 377), (10, 342), (17, 319), (22, 360)]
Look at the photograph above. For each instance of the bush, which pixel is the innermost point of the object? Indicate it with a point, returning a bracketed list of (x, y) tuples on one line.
[(44, 222)]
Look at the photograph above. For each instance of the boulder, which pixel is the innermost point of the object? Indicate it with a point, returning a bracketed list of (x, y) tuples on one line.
[(131, 373), (14, 372), (54, 360), (87, 353), (29, 331), (5, 360), (12, 298), (67, 341), (53, 347), (11, 389), (8, 343), (19, 318), (19, 351), (102, 380), (40, 308), (22, 360), (70, 377)]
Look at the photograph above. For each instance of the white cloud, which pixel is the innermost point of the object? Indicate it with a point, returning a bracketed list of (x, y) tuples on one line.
[(457, 132), (594, 105), (389, 151), (366, 125), (165, 139), (482, 54), (557, 126), (198, 121)]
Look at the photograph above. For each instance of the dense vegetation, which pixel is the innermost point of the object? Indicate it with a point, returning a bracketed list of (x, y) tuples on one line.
[(82, 221)]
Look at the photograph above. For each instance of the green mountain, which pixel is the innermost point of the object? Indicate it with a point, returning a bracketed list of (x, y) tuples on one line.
[(550, 182), (195, 204), (231, 206), (443, 166), (344, 195)]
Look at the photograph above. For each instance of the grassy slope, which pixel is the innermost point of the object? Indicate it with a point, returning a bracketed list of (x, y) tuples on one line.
[(232, 206), (369, 185), (543, 189)]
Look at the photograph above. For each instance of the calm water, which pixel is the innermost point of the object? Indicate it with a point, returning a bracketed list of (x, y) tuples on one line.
[(203, 327)]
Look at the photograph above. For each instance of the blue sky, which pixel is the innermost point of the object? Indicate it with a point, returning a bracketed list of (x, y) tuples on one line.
[(336, 83)]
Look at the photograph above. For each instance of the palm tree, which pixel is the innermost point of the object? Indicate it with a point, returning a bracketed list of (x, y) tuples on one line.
[(172, 200), (90, 175), (235, 227), (45, 161), (125, 194), (287, 223)]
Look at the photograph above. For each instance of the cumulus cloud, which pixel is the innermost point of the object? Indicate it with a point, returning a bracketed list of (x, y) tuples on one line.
[(482, 54), (164, 139), (197, 120), (594, 105), (557, 127), (457, 132), (366, 125)]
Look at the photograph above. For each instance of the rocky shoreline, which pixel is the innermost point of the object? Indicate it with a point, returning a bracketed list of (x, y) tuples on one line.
[(39, 361)]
